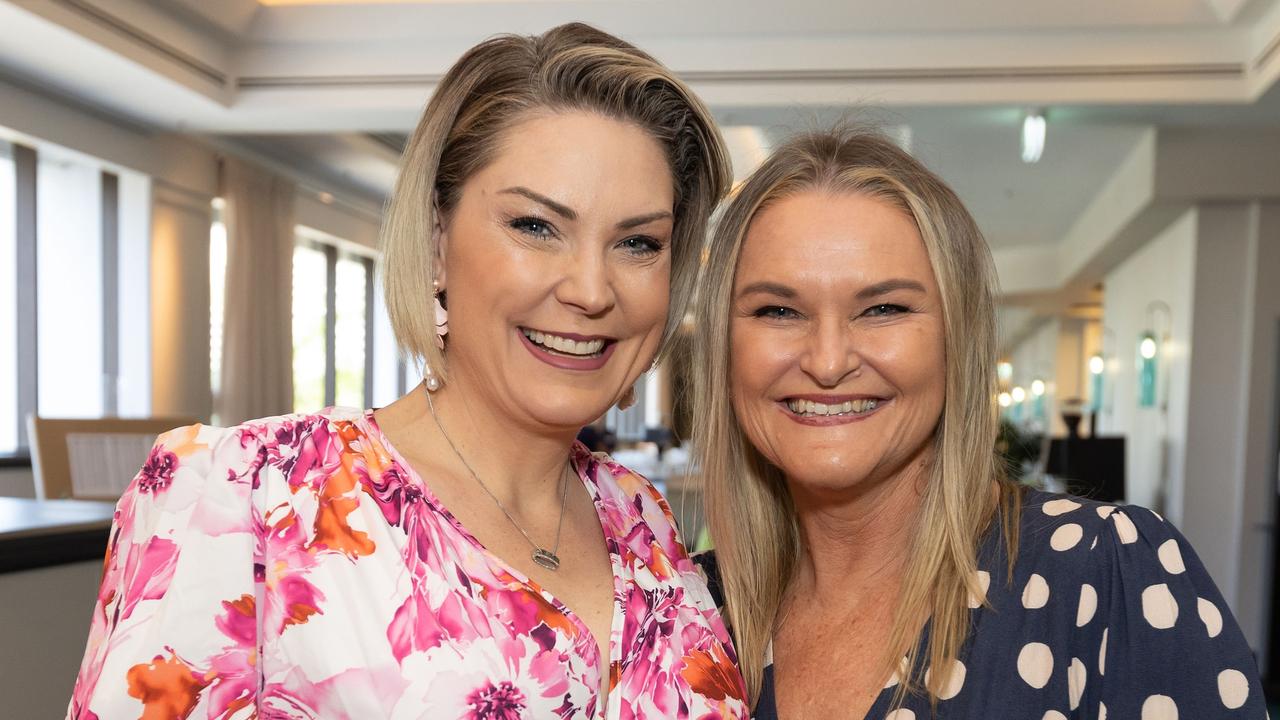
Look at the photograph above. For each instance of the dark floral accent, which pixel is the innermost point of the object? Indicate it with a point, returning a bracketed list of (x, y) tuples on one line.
[(503, 701), (157, 472)]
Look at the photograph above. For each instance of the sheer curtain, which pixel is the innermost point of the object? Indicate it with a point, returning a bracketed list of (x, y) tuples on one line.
[(257, 350)]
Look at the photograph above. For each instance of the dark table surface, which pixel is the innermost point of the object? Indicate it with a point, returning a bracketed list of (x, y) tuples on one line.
[(43, 533)]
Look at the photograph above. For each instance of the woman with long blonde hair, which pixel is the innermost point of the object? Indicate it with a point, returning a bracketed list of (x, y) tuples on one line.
[(873, 559), (455, 554)]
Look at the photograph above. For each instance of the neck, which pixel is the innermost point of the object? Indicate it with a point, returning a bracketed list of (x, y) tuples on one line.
[(521, 465), (859, 538)]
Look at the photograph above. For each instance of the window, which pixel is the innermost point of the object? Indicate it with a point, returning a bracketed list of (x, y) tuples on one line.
[(310, 326), (75, 304), (217, 295), (8, 304), (343, 350)]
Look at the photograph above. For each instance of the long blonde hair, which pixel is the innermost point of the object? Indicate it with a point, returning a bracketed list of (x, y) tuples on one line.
[(495, 85), (749, 509)]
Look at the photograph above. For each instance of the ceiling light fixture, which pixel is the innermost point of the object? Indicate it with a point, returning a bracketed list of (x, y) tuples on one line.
[(1033, 129)]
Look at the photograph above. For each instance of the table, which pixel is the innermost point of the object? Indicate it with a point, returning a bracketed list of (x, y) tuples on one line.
[(44, 533)]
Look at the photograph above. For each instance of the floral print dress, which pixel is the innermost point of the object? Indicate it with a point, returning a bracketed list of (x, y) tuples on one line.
[(296, 567)]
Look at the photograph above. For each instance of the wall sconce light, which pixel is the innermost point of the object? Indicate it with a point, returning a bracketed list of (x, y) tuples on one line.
[(1097, 366), (1037, 387), (1018, 394), (1004, 371), (1033, 131), (1005, 399), (1150, 347)]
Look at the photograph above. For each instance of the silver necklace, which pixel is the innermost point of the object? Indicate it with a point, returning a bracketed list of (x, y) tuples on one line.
[(543, 557)]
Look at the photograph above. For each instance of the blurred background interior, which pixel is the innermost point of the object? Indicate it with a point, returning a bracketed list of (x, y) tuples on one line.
[(1122, 158)]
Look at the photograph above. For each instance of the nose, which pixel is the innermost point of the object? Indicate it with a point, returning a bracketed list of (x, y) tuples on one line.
[(586, 284), (830, 354)]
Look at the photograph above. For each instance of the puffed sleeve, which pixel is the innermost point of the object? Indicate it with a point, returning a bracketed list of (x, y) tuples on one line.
[(1169, 647), (174, 631)]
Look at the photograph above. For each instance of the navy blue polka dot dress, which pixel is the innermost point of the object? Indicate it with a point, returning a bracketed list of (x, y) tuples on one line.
[(1110, 614)]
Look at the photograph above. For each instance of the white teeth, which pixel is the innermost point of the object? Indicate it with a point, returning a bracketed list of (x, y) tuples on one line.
[(811, 409), (565, 345)]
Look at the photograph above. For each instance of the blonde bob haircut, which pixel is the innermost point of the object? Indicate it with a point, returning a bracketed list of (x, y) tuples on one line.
[(503, 81), (749, 509)]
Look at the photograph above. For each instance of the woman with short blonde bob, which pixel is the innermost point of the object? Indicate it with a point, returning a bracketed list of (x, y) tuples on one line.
[(455, 554), (872, 557)]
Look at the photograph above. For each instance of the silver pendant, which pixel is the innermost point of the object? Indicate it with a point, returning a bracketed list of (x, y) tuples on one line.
[(546, 559)]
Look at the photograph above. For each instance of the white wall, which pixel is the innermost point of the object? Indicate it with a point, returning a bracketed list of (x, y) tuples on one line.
[(1162, 270), (45, 616), (1230, 487)]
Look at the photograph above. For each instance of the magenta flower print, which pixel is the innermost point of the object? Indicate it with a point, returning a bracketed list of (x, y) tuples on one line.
[(157, 472)]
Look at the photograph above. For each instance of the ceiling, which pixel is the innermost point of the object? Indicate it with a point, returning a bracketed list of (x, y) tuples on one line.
[(331, 86)]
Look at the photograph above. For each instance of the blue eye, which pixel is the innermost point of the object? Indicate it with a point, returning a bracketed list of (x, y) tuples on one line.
[(532, 226), (774, 312), (642, 245), (885, 310)]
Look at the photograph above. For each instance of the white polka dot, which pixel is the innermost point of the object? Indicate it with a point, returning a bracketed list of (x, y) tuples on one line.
[(1159, 607), (1102, 653), (1159, 707), (983, 579), (1102, 711), (1035, 664), (1036, 594), (1210, 616), (1076, 677), (955, 681), (1088, 605), (1094, 544), (1054, 715), (900, 714), (1233, 688), (1171, 557), (1105, 510), (896, 677), (1066, 537), (1125, 530), (1059, 507)]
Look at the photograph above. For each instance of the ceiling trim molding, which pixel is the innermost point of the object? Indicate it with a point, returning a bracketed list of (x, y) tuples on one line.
[(259, 82), (1267, 53), (144, 39), (1065, 73), (968, 74)]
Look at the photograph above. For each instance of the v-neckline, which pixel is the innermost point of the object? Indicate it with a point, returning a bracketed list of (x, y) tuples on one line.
[(579, 456)]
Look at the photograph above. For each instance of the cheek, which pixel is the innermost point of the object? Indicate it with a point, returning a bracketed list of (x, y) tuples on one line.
[(644, 295)]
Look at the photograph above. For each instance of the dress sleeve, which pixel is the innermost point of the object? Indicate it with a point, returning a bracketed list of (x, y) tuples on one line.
[(1170, 647), (174, 631)]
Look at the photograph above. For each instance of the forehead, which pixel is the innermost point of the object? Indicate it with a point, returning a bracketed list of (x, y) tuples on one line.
[(824, 238), (583, 160)]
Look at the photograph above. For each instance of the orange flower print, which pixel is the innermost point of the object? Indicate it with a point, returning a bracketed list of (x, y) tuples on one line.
[(167, 688), (712, 674)]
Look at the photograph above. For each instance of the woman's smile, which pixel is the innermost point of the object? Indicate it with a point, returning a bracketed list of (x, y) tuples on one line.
[(568, 351), (826, 410)]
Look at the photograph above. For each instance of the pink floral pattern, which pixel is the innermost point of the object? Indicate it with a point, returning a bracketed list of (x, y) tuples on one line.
[(295, 567)]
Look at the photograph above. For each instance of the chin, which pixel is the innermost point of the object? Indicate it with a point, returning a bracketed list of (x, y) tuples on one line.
[(567, 408)]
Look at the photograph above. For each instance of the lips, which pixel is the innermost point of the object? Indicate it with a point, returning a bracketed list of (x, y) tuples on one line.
[(568, 351), (569, 345), (830, 409)]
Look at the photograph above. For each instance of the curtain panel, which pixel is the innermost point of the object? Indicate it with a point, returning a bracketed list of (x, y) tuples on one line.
[(257, 345)]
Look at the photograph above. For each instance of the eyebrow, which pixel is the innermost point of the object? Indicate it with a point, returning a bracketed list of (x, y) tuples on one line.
[(568, 213), (871, 291), (768, 288), (888, 286), (563, 211)]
